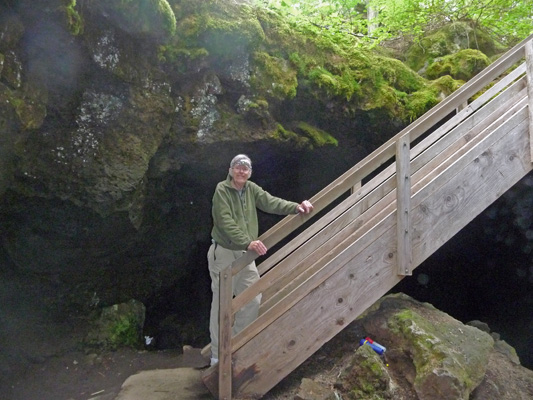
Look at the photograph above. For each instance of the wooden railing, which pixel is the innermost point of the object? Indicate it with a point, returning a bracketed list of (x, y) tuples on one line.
[(290, 268)]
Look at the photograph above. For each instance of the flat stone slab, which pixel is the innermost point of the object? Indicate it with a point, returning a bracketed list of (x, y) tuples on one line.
[(165, 384)]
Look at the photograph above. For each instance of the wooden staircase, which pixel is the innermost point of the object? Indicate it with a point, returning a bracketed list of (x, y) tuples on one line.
[(428, 182)]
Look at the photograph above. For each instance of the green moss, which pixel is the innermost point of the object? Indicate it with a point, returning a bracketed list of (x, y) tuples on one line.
[(29, 110), (225, 30), (124, 332), (398, 75), (426, 352), (273, 77), (420, 102), (446, 85), (178, 55), (283, 135), (462, 65), (343, 85), (74, 19), (366, 378), (318, 136)]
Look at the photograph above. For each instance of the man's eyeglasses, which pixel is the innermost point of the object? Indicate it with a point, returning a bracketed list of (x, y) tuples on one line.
[(241, 169)]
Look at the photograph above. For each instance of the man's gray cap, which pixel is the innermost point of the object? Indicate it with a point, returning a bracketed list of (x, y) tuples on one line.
[(241, 159)]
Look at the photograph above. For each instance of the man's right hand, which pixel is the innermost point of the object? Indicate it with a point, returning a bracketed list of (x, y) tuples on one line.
[(258, 247)]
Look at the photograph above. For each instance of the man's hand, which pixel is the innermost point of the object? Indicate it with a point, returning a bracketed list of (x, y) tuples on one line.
[(305, 207), (258, 247)]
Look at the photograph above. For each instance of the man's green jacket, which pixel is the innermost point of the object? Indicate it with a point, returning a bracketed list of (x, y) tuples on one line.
[(235, 213)]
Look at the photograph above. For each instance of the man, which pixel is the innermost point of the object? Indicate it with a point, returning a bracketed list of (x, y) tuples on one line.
[(235, 230)]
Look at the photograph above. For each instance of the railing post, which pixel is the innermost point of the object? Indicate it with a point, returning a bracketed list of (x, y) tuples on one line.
[(529, 76), (224, 334), (403, 205), (355, 188)]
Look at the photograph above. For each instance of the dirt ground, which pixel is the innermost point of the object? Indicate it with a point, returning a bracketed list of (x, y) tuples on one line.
[(78, 376)]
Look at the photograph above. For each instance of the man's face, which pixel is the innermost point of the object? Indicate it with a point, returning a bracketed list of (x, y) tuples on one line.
[(241, 173)]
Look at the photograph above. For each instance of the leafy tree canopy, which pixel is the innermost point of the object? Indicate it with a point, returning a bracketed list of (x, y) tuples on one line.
[(508, 21)]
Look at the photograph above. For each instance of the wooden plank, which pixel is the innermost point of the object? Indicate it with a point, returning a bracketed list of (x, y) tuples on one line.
[(311, 266), (305, 326), (224, 335), (403, 195), (356, 187), (529, 66)]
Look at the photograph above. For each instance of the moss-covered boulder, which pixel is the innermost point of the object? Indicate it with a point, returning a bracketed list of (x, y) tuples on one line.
[(462, 65), (367, 377), (117, 326), (440, 356), (450, 39)]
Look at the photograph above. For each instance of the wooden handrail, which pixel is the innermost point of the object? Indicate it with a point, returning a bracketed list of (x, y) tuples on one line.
[(529, 63)]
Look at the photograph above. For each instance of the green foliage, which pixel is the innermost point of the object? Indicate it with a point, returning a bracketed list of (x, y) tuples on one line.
[(373, 21)]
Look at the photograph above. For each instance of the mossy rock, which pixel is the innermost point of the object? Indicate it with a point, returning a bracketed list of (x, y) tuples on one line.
[(367, 377), (462, 65), (140, 17), (120, 325), (283, 135), (449, 40), (30, 111), (222, 28), (318, 137), (273, 77), (447, 358)]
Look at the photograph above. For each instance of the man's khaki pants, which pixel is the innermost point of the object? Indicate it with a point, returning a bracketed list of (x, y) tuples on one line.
[(219, 258)]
